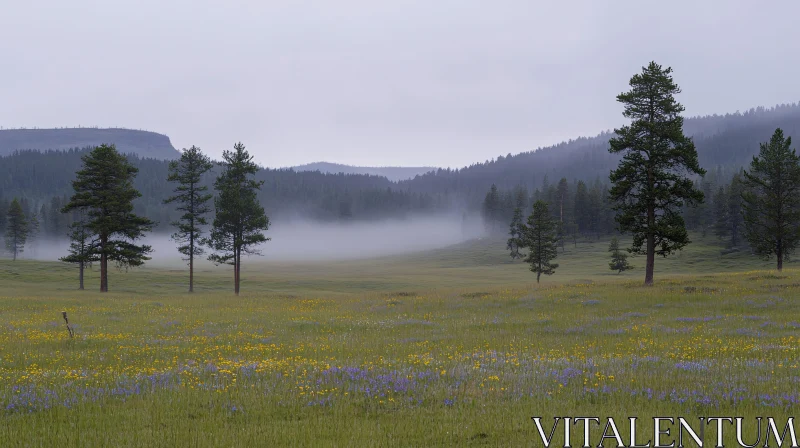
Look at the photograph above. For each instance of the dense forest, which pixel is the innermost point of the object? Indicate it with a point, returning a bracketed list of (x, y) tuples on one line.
[(725, 144)]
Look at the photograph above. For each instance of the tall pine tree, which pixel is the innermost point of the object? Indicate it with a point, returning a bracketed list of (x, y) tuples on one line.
[(651, 183), (192, 200), (17, 229), (104, 191), (240, 220), (772, 199), (541, 240)]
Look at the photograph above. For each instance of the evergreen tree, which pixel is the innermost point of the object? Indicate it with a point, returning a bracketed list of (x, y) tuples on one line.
[(735, 208), (55, 224), (541, 240), (772, 199), (17, 229), (619, 259), (4, 204), (521, 198), (33, 231), (81, 248), (707, 211), (582, 211), (491, 209), (562, 195), (240, 218), (722, 218), (515, 241), (563, 199), (43, 219), (650, 184), (192, 201), (104, 190), (596, 206)]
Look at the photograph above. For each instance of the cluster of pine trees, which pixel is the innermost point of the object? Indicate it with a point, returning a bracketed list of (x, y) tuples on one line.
[(724, 143), (581, 210), (105, 228), (656, 188)]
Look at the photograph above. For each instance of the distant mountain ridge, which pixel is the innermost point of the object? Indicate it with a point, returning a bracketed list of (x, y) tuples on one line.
[(145, 144), (393, 173)]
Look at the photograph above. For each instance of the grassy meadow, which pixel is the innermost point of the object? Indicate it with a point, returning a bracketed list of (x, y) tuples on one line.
[(456, 346)]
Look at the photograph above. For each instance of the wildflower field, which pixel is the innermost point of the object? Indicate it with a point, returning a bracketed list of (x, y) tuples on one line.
[(384, 363)]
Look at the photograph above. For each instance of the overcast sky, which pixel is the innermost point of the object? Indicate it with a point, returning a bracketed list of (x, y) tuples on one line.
[(366, 82)]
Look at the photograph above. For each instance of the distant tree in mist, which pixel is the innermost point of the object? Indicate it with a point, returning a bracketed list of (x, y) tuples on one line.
[(240, 219), (771, 194), (619, 259), (651, 183), (4, 204), (735, 209), (491, 209), (721, 214), (104, 191), (515, 241), (81, 248), (57, 222), (541, 240), (192, 201), (17, 229), (582, 211)]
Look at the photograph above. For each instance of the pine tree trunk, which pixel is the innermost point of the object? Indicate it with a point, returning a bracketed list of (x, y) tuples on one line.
[(191, 273), (103, 265), (651, 259), (779, 256), (236, 264), (80, 275), (191, 262)]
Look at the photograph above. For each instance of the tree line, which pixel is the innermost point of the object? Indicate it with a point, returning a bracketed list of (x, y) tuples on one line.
[(39, 177), (657, 192), (656, 188), (104, 227), (724, 144)]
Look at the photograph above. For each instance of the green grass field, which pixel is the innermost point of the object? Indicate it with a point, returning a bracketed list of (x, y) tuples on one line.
[(457, 346)]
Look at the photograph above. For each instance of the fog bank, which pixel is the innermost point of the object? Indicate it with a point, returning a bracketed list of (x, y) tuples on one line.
[(302, 240)]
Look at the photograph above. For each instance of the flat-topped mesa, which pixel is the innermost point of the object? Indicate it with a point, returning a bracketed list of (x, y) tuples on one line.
[(145, 144)]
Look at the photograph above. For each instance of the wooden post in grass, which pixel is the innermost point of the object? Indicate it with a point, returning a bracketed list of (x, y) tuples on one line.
[(69, 329)]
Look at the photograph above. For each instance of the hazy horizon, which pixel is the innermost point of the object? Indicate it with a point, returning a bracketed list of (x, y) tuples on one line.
[(406, 83)]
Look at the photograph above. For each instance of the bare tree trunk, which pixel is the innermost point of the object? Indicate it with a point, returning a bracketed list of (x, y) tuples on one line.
[(651, 259), (237, 263), (80, 275), (779, 256)]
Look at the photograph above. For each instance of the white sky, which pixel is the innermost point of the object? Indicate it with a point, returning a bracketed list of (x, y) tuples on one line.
[(404, 82)]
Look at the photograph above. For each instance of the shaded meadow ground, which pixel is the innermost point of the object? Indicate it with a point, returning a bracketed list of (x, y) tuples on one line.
[(456, 346)]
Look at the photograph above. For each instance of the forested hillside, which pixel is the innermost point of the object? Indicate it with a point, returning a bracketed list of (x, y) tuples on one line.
[(43, 179), (725, 144), (128, 141), (393, 173)]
